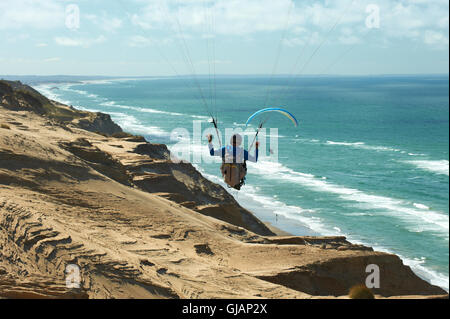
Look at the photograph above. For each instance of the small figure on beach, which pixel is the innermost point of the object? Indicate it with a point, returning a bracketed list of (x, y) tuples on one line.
[(234, 160)]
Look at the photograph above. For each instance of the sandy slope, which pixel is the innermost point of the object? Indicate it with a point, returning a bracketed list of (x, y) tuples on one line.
[(140, 226)]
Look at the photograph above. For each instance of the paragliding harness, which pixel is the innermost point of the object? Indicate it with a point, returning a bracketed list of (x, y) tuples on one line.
[(233, 173)]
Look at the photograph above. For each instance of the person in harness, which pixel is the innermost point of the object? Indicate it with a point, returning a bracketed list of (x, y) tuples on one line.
[(234, 158)]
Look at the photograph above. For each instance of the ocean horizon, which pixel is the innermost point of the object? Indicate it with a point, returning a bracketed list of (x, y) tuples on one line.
[(369, 160)]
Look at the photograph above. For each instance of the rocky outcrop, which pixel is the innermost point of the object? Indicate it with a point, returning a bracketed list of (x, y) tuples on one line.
[(99, 122), (149, 168), (16, 96), (37, 287), (19, 97), (98, 160), (336, 276)]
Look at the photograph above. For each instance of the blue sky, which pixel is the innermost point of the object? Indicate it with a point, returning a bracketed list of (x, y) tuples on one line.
[(150, 37)]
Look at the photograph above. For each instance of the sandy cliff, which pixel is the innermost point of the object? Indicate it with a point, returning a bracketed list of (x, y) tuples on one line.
[(141, 226)]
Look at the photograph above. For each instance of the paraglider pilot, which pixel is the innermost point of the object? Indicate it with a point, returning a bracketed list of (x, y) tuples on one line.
[(234, 158)]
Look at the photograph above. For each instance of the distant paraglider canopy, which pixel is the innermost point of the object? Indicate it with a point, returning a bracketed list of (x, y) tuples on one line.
[(286, 113)]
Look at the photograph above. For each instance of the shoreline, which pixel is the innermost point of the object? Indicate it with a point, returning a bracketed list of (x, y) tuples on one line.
[(305, 230), (427, 274), (76, 189), (277, 231)]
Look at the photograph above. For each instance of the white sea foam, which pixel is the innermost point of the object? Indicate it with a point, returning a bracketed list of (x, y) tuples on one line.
[(427, 274), (431, 220), (421, 206), (131, 124), (149, 110), (184, 150), (105, 102), (45, 89), (337, 229), (416, 154), (252, 198), (362, 145), (114, 80), (81, 92), (434, 166), (251, 134), (345, 143)]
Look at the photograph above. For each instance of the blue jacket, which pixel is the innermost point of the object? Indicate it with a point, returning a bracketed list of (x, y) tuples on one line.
[(236, 154)]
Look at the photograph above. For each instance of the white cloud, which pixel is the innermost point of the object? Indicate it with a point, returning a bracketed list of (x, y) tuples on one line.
[(304, 39), (227, 17), (401, 19), (52, 60), (47, 14), (17, 37), (79, 42), (435, 38), (350, 39), (141, 41), (348, 36), (105, 22), (43, 14), (413, 20), (111, 24)]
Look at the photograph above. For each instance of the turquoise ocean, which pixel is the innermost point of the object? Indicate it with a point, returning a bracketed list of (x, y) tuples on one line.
[(369, 160)]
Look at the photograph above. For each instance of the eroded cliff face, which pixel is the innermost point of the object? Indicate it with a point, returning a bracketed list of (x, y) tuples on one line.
[(19, 97), (138, 225)]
